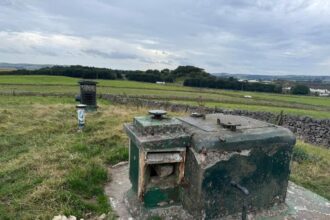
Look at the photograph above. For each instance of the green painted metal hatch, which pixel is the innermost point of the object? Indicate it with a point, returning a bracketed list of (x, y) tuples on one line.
[(157, 155)]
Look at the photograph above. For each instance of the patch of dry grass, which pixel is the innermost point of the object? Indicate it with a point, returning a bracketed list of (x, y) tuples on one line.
[(311, 168), (48, 168)]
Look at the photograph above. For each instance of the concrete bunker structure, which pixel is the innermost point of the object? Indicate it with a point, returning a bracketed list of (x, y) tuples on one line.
[(212, 165)]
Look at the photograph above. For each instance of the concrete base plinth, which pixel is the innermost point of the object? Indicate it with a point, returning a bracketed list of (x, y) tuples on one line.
[(300, 203)]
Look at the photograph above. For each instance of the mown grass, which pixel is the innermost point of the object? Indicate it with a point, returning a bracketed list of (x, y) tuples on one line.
[(311, 168), (27, 79), (48, 168), (124, 84), (144, 88), (210, 100)]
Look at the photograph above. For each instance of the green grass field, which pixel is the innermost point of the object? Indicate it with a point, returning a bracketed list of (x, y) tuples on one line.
[(310, 168), (47, 168), (317, 107)]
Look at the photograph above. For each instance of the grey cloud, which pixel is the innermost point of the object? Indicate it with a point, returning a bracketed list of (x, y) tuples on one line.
[(110, 55), (116, 55), (260, 36), (44, 51), (9, 51), (214, 63)]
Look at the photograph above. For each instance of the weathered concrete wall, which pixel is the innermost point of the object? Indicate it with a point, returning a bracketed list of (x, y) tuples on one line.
[(311, 130)]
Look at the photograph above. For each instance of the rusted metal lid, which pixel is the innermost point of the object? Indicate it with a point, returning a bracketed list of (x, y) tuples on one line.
[(228, 124), (157, 114), (196, 115)]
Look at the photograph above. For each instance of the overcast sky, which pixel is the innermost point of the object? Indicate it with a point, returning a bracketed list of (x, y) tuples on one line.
[(234, 36)]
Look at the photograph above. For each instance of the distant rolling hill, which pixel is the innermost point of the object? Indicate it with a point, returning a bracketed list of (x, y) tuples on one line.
[(17, 66), (275, 77)]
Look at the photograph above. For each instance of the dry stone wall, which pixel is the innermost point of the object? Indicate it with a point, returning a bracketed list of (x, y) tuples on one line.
[(314, 131)]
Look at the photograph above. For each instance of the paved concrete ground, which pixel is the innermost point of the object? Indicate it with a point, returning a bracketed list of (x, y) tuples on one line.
[(301, 203), (116, 189), (306, 204)]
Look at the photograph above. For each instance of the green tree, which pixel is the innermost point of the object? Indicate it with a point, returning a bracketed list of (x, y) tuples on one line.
[(300, 89)]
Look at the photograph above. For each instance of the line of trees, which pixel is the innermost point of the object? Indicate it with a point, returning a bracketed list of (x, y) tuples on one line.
[(151, 76), (191, 75), (71, 71), (232, 84), (165, 75)]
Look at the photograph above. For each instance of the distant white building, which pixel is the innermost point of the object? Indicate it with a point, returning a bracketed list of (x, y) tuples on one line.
[(161, 83), (286, 89), (320, 92), (253, 81)]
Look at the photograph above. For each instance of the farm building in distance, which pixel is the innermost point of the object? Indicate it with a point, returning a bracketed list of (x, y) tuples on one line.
[(320, 92)]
